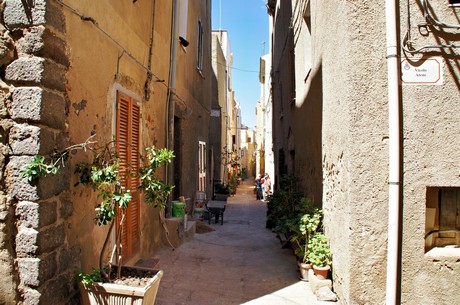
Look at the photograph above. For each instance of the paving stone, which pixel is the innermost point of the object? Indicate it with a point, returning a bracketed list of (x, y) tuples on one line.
[(240, 262)]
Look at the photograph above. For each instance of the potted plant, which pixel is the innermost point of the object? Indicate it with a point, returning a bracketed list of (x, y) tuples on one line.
[(304, 228), (221, 191), (105, 174), (320, 255), (233, 183)]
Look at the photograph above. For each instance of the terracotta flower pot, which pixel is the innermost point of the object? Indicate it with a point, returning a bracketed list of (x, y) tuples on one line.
[(322, 272), (303, 269)]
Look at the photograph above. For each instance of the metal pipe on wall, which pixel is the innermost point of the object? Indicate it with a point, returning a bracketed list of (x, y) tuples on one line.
[(393, 251), (169, 124)]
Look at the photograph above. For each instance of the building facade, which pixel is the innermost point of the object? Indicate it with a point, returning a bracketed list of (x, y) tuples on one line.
[(74, 71), (265, 162), (331, 130)]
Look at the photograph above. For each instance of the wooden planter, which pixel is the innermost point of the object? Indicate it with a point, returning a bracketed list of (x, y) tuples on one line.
[(111, 294)]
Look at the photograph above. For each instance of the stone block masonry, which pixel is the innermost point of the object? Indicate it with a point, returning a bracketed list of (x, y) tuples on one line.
[(37, 266)]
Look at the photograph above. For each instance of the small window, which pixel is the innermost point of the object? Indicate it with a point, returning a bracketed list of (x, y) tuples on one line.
[(199, 63), (442, 225)]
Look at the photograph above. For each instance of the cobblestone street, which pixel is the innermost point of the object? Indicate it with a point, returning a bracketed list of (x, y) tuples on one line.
[(241, 262)]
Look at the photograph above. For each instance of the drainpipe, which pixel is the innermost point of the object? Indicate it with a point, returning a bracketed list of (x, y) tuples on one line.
[(169, 124), (393, 254)]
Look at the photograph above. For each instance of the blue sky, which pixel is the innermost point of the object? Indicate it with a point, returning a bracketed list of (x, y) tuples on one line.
[(247, 24)]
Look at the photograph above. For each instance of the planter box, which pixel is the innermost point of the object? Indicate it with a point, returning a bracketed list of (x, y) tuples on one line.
[(110, 294), (221, 197)]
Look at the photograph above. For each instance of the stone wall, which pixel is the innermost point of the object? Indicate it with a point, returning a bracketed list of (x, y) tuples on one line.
[(36, 265)]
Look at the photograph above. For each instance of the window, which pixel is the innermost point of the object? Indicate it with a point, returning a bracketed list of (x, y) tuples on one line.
[(127, 136), (442, 225), (454, 2), (201, 166), (199, 63)]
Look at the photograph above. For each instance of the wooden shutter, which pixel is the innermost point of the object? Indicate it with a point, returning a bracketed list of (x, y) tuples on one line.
[(127, 136)]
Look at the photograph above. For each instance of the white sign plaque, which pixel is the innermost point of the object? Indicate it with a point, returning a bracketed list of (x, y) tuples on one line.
[(422, 71), (215, 113)]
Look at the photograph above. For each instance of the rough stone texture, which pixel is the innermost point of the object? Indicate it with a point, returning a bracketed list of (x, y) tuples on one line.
[(66, 209), (21, 189), (4, 99), (60, 289), (36, 271), (36, 215), (17, 186), (51, 239), (6, 46), (31, 140), (36, 70), (69, 259), (23, 13), (25, 139), (20, 13), (4, 206), (40, 41), (39, 105), (5, 126), (316, 283), (53, 185), (32, 297), (26, 242), (325, 294), (7, 281)]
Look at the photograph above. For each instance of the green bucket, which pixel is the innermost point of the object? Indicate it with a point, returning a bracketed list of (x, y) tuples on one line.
[(178, 209)]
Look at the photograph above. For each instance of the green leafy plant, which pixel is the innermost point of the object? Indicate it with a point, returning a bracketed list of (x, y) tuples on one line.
[(233, 184), (89, 278), (42, 166), (106, 175), (285, 206), (303, 229), (220, 188), (319, 252), (156, 191)]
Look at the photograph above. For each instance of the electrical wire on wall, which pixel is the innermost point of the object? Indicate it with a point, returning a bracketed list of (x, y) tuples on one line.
[(408, 44), (150, 73)]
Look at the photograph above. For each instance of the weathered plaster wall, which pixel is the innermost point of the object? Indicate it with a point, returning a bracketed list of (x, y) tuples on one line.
[(355, 153), (218, 130), (281, 75), (194, 88), (109, 54), (431, 159)]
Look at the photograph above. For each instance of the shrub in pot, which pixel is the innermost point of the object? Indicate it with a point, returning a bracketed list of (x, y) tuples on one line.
[(304, 228), (221, 191), (320, 255), (105, 174)]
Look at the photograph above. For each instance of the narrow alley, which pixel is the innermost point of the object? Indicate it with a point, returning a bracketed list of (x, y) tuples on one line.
[(240, 262)]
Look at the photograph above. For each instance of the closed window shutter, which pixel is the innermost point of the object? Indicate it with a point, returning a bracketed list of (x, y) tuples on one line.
[(127, 136)]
